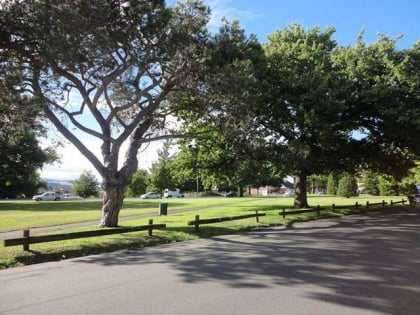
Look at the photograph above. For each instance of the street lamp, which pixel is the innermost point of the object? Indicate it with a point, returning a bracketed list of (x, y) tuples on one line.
[(194, 150)]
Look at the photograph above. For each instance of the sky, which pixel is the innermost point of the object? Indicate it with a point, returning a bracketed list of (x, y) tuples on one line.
[(263, 17)]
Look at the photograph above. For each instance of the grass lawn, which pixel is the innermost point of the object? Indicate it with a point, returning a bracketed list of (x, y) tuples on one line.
[(17, 215)]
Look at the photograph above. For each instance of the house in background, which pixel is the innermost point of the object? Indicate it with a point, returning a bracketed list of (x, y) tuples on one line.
[(266, 191)]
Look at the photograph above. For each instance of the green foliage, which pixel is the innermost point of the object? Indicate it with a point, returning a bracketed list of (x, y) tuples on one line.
[(332, 184), (86, 185), (302, 99), (227, 151), (21, 153), (408, 189), (371, 183), (347, 186), (317, 183), (409, 183), (318, 94), (161, 174), (380, 95), (188, 169), (387, 186), (138, 184)]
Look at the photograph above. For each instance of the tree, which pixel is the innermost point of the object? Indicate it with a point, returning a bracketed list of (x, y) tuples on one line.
[(331, 108), (161, 176), (332, 184), (229, 151), (387, 186), (411, 181), (371, 183), (21, 153), (105, 69), (138, 184), (382, 91), (317, 183), (302, 114), (187, 168), (347, 186), (86, 185)]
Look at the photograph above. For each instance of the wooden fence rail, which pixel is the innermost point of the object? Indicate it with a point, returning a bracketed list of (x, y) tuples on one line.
[(357, 205), (403, 201), (27, 239), (317, 209), (197, 220)]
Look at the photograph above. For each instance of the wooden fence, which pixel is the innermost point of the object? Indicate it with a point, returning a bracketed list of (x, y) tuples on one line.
[(317, 209), (27, 239), (197, 220), (357, 206)]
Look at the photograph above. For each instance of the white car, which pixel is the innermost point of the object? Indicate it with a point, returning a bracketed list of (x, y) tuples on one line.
[(71, 197), (288, 194), (150, 195), (176, 193), (48, 195)]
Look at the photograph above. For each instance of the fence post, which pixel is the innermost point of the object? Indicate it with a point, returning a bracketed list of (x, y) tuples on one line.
[(256, 216), (392, 202), (284, 213), (150, 227), (403, 201), (367, 205), (333, 207), (26, 243), (197, 222), (318, 210), (383, 203), (357, 205)]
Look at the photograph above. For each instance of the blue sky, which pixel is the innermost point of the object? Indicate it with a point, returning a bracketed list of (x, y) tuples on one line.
[(349, 17), (262, 17)]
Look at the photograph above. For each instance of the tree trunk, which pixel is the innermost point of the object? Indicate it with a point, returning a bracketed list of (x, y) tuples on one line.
[(301, 200), (114, 181), (113, 197), (241, 191)]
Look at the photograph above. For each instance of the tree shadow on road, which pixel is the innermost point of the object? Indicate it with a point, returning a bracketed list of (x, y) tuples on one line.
[(369, 262)]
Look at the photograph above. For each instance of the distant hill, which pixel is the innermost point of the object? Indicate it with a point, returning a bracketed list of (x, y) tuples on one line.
[(60, 184)]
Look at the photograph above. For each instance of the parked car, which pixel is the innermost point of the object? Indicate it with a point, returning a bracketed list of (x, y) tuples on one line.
[(150, 195), (48, 195), (231, 194), (176, 193), (288, 194), (71, 197)]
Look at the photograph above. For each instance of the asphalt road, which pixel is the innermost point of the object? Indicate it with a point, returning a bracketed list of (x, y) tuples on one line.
[(352, 265)]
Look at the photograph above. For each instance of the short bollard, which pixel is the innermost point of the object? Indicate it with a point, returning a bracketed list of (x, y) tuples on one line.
[(26, 244), (163, 208), (196, 223), (150, 227)]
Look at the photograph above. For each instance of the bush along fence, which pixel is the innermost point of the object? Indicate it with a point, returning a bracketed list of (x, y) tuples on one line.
[(357, 206), (26, 240), (197, 220)]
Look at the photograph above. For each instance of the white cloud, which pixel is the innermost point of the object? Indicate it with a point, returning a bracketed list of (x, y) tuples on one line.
[(73, 163), (223, 9)]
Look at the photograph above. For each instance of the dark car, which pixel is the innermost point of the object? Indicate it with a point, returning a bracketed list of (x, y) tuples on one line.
[(231, 194)]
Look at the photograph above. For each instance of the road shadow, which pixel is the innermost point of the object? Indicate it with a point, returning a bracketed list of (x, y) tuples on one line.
[(362, 261)]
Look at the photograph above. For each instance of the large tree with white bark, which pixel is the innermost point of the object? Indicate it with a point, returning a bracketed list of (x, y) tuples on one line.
[(105, 69)]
